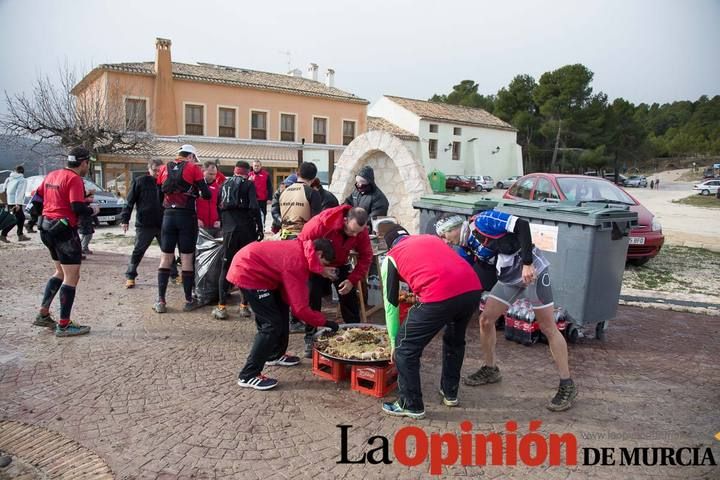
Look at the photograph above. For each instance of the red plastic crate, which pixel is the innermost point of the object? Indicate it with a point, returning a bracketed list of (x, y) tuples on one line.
[(329, 369), (374, 381)]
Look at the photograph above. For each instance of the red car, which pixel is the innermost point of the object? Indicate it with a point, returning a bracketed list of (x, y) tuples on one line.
[(457, 183), (646, 239)]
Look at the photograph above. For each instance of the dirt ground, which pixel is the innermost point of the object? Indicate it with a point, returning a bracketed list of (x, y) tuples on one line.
[(155, 395)]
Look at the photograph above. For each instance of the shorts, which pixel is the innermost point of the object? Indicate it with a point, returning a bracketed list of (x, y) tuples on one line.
[(178, 230), (64, 246), (539, 293)]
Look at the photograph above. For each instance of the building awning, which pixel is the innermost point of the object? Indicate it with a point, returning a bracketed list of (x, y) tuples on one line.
[(228, 153)]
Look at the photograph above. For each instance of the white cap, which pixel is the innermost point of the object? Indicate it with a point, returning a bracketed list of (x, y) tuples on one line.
[(189, 149)]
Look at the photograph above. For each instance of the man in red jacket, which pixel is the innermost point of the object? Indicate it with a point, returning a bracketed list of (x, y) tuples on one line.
[(271, 276), (346, 228), (207, 210), (448, 294), (263, 186)]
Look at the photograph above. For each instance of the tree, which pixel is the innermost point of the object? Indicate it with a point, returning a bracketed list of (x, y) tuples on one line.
[(561, 94), (466, 94), (96, 118), (515, 104)]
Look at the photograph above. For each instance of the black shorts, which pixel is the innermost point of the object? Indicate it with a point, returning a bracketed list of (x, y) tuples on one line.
[(179, 229), (64, 246)]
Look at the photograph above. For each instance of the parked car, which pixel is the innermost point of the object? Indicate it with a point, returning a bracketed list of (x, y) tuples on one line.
[(708, 187), (484, 182), (507, 182), (646, 239), (636, 181), (110, 204), (457, 183), (620, 180)]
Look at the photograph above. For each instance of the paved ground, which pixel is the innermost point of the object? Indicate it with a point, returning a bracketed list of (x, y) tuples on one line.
[(155, 397)]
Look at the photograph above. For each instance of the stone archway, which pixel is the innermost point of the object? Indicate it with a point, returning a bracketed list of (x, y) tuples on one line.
[(398, 173)]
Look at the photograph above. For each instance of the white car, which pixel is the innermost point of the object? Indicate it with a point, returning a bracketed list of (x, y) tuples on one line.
[(708, 187), (507, 182)]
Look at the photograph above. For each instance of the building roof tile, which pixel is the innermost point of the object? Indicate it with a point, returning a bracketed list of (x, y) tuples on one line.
[(378, 123), (443, 112)]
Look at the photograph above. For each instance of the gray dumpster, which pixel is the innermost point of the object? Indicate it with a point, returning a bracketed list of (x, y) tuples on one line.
[(434, 207), (586, 245)]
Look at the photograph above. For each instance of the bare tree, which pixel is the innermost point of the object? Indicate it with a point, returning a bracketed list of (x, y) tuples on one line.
[(96, 117)]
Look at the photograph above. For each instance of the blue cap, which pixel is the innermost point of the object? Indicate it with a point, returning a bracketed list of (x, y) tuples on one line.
[(290, 180)]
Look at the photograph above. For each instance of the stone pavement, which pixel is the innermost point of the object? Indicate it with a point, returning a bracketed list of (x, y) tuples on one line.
[(155, 395)]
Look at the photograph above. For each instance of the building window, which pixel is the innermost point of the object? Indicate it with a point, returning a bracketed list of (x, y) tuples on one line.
[(287, 127), (226, 121), (432, 148), (194, 120), (456, 151), (433, 128), (348, 132), (457, 131), (135, 115), (258, 124), (319, 130)]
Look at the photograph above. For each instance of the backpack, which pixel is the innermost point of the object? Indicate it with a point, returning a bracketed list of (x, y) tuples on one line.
[(233, 194), (175, 183)]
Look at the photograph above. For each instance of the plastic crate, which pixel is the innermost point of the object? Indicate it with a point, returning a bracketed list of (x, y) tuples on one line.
[(373, 381), (329, 369)]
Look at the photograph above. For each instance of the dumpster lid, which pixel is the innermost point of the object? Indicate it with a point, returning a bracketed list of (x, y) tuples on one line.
[(471, 201), (583, 213)]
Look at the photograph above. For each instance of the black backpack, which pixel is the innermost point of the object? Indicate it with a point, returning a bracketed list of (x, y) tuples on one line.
[(233, 194), (174, 183)]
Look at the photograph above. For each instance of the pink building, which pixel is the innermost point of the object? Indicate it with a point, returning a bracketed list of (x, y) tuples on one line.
[(227, 113)]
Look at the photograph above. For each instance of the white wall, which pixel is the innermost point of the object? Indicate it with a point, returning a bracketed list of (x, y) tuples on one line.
[(389, 110), (476, 147)]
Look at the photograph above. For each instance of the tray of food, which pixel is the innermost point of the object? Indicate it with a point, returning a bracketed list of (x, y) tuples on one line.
[(355, 343)]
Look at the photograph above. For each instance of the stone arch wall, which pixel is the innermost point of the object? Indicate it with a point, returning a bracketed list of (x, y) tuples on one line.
[(398, 173)]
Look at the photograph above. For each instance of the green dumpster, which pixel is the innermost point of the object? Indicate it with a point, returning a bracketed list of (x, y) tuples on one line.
[(586, 244), (433, 207), (437, 181)]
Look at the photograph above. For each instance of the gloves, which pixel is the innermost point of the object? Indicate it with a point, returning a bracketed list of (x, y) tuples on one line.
[(260, 235), (332, 325)]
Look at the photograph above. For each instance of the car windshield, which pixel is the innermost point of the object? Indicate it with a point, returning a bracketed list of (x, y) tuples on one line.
[(466, 179), (592, 190), (487, 179), (92, 186)]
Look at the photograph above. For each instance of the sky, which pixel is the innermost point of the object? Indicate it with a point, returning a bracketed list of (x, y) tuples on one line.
[(644, 51)]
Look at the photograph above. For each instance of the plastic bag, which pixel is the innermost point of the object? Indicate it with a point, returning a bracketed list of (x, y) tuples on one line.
[(209, 253)]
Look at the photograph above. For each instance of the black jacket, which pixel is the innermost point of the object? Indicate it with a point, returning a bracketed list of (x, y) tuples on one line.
[(374, 202), (145, 194), (328, 199)]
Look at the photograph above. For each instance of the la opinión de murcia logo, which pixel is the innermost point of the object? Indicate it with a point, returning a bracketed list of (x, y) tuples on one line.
[(412, 446)]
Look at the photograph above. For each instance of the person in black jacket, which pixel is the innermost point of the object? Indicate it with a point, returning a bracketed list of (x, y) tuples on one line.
[(328, 199), (367, 195), (145, 195)]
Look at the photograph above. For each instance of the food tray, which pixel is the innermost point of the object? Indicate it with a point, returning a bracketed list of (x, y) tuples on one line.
[(324, 330)]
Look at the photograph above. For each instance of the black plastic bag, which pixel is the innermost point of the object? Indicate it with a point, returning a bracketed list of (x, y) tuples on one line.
[(208, 264)]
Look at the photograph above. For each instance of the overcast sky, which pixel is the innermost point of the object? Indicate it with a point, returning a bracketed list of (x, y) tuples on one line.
[(644, 51)]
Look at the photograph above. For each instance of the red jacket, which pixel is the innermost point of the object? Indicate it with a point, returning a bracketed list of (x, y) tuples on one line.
[(280, 265), (329, 224), (263, 184), (434, 271), (207, 210)]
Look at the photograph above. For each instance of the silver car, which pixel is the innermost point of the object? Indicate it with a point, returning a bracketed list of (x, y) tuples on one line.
[(507, 182), (110, 205), (484, 182), (636, 181)]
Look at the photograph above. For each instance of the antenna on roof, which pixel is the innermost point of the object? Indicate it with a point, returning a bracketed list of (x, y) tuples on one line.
[(287, 53)]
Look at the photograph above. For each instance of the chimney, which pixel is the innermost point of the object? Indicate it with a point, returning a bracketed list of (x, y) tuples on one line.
[(295, 72), (313, 69), (163, 112), (330, 78)]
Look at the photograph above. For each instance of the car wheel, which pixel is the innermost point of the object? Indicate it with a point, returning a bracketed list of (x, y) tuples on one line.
[(639, 262), (478, 188), (457, 189), (499, 185), (705, 192)]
